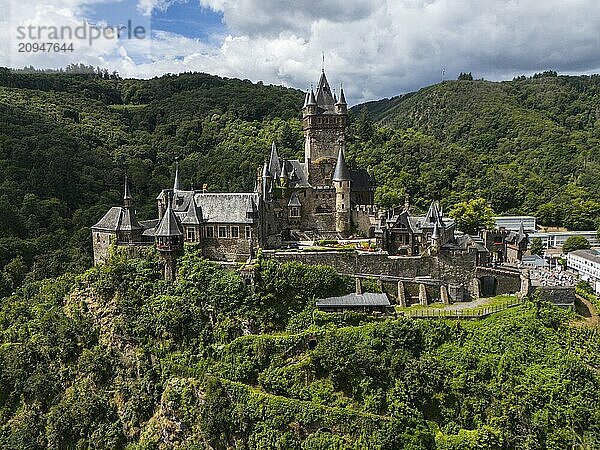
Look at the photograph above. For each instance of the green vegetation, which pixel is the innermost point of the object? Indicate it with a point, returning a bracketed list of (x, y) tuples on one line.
[(116, 358), (528, 146), (482, 308), (473, 216), (113, 357), (575, 243), (537, 246)]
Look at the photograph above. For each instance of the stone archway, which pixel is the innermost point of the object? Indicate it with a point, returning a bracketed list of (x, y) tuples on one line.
[(489, 286)]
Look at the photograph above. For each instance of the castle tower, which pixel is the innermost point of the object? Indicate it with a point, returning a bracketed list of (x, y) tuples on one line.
[(129, 229), (324, 124), (265, 182), (341, 182), (436, 237), (169, 241)]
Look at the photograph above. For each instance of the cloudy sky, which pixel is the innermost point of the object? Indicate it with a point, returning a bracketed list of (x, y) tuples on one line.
[(377, 48)]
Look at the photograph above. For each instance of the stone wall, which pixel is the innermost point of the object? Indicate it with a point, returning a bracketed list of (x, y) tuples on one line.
[(445, 269), (457, 273), (507, 281), (362, 218), (563, 296), (102, 241)]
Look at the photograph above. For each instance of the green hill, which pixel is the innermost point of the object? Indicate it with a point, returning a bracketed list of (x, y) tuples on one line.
[(66, 141), (529, 146), (116, 358)]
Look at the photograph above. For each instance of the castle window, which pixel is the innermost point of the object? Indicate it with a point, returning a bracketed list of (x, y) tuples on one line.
[(235, 232), (248, 232), (191, 234), (210, 232), (294, 211), (222, 232)]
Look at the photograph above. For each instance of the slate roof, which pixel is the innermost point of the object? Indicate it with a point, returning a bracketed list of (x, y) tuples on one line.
[(324, 98), (296, 173), (361, 180), (352, 300), (226, 207), (193, 215), (118, 218), (274, 163), (418, 223), (294, 200), (341, 172), (168, 225)]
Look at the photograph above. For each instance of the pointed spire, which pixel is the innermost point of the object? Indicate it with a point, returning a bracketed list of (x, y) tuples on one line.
[(306, 99), (265, 172), (521, 233), (433, 213), (342, 99), (436, 232), (284, 173), (334, 97), (193, 215), (341, 172), (323, 96), (168, 226), (176, 182), (311, 98), (274, 164), (127, 200)]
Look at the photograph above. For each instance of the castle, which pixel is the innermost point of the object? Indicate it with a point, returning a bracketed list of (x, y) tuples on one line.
[(320, 197), (293, 200)]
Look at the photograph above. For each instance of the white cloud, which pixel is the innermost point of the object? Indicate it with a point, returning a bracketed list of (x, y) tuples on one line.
[(377, 48)]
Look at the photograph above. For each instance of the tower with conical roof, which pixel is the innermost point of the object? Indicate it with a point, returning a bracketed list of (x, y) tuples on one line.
[(118, 226), (169, 240), (341, 182), (324, 122)]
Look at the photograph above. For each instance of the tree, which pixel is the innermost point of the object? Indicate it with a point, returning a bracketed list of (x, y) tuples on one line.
[(473, 215), (575, 243), (537, 246), (465, 76)]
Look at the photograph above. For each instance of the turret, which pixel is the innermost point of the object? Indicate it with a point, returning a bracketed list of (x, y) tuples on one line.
[(169, 240), (341, 107), (341, 183), (310, 105), (324, 122), (176, 182), (192, 221), (283, 177)]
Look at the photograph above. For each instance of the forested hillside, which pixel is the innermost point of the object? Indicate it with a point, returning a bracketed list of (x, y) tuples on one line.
[(529, 146), (66, 141), (115, 357)]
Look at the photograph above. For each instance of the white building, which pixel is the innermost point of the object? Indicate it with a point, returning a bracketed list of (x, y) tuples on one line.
[(587, 264), (513, 223), (556, 239)]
